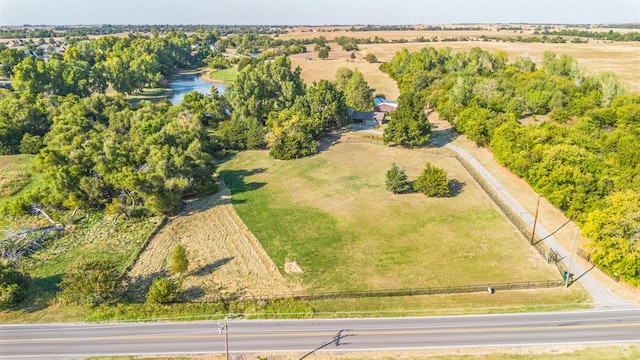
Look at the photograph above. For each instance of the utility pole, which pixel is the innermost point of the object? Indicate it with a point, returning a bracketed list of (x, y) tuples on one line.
[(225, 327), (535, 221), (573, 250)]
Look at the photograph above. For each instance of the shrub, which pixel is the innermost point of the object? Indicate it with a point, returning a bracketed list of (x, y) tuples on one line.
[(163, 291), (91, 282), (13, 285), (432, 182), (397, 180), (371, 58), (178, 262)]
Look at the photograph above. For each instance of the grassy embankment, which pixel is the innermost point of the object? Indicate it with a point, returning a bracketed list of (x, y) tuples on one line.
[(225, 76)]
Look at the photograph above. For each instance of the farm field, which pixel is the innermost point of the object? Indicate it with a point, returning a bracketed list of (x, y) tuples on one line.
[(225, 259), (332, 215), (621, 58)]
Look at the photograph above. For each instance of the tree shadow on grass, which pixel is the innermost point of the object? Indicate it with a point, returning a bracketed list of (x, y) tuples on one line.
[(329, 140), (137, 287), (41, 292), (192, 293), (210, 268), (235, 180), (456, 187)]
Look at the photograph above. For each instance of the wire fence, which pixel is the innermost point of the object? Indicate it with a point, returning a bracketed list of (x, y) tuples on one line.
[(550, 255), (444, 290)]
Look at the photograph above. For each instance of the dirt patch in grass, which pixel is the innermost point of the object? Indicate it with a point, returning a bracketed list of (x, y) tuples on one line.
[(225, 259)]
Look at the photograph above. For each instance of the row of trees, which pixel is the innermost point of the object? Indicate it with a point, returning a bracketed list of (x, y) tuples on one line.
[(583, 159)]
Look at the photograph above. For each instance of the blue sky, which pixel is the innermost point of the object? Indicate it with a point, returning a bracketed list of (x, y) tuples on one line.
[(316, 12)]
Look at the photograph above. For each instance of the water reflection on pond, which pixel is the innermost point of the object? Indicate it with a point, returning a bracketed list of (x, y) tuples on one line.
[(186, 83)]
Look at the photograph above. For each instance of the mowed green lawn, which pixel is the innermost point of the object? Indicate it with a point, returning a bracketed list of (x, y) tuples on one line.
[(332, 215)]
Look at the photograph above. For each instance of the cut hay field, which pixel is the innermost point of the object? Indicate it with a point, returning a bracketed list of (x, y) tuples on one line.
[(331, 214), (225, 259), (621, 58)]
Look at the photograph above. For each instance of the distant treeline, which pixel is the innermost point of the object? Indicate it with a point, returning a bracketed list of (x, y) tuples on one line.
[(609, 35), (64, 31)]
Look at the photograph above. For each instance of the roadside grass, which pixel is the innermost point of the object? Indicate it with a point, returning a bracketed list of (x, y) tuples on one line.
[(225, 76), (512, 301), (559, 352), (332, 215)]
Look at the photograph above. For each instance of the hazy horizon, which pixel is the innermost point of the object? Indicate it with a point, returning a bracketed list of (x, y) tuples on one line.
[(315, 12)]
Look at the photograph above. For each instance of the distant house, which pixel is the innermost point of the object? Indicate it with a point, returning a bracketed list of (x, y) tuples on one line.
[(384, 105), (371, 118)]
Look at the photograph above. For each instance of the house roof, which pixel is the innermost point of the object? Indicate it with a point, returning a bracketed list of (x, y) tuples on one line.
[(362, 115), (379, 101)]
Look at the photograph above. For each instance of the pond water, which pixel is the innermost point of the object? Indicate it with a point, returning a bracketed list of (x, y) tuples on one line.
[(186, 83)]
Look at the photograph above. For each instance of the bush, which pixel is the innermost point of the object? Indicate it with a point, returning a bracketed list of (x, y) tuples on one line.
[(397, 180), (178, 262), (13, 285), (163, 291), (91, 282), (371, 58), (433, 182)]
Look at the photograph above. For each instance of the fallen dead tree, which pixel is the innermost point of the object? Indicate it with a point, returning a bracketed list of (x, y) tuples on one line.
[(17, 244)]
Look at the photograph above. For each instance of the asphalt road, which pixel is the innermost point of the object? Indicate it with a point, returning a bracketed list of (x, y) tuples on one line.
[(62, 341)]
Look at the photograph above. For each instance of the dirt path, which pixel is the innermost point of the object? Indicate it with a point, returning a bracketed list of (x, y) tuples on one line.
[(224, 256)]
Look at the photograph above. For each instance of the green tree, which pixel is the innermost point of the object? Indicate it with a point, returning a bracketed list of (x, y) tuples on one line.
[(614, 234), (409, 125), (323, 52), (268, 86), (397, 181), (293, 135), (91, 282), (9, 58), (325, 102), (178, 261), (355, 88), (432, 182), (30, 144), (163, 291)]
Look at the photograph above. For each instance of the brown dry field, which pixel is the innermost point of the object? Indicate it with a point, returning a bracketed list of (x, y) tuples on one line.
[(224, 257), (621, 58)]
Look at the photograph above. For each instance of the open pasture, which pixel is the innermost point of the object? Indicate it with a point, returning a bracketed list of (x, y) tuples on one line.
[(331, 214), (621, 58)]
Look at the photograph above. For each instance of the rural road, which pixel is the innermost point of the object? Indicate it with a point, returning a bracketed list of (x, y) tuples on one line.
[(71, 341)]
